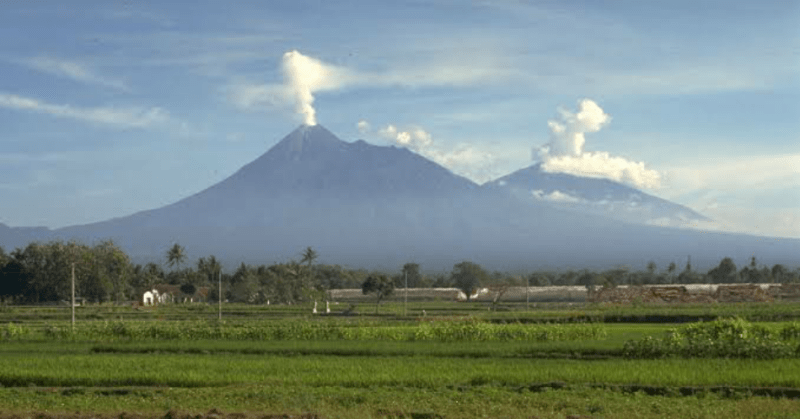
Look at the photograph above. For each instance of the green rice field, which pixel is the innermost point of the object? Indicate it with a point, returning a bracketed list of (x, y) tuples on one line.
[(456, 361)]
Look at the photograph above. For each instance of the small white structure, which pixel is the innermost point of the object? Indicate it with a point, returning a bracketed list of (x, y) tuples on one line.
[(314, 311), (160, 294), (478, 293), (327, 307), (149, 298)]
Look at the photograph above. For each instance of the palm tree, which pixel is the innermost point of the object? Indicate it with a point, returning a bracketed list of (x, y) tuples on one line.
[(176, 255), (309, 256)]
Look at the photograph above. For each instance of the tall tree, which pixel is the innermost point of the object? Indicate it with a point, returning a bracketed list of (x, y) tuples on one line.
[(244, 285), (671, 271), (468, 276), (411, 272), (114, 266), (381, 285), (725, 272), (309, 256), (4, 258), (14, 281), (209, 268), (175, 256), (778, 272)]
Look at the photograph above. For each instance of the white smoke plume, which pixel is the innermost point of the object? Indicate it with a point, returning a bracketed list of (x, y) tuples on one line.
[(567, 135), (564, 153), (304, 76), (464, 160)]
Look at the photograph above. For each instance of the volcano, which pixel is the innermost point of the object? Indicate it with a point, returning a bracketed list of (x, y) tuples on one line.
[(595, 196), (377, 207)]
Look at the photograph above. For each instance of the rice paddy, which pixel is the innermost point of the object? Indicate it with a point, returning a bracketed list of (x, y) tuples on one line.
[(468, 364)]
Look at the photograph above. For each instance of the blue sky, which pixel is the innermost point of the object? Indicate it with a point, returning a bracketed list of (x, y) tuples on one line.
[(108, 108)]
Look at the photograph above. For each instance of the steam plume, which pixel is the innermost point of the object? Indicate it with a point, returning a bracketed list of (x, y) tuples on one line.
[(304, 76), (564, 153), (567, 135)]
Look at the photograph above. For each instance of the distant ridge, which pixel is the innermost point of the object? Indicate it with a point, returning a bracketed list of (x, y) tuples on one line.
[(592, 195)]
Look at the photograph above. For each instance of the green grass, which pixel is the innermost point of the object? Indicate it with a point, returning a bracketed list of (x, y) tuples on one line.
[(457, 364), (61, 369), (389, 402), (330, 329)]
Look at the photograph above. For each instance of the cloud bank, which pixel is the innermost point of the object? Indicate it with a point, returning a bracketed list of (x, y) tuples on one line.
[(72, 70), (565, 151), (115, 117)]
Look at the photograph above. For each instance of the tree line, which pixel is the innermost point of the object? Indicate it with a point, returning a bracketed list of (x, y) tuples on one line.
[(41, 273)]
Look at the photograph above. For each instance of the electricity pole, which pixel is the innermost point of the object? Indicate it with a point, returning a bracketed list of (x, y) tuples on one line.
[(527, 297), (219, 296), (73, 296), (405, 301)]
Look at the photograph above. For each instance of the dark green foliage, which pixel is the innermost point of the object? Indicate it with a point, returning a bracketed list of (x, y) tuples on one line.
[(725, 273), (380, 284), (729, 338), (411, 274), (309, 256), (14, 280), (468, 276), (188, 288), (176, 255)]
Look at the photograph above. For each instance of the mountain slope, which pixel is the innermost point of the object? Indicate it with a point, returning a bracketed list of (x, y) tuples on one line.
[(592, 195), (370, 206)]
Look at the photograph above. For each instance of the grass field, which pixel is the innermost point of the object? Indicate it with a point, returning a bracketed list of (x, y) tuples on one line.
[(470, 363)]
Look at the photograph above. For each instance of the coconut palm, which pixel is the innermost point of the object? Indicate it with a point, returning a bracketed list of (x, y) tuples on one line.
[(176, 255), (309, 256)]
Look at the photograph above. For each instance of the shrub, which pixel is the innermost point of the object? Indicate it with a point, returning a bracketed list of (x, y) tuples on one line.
[(726, 338)]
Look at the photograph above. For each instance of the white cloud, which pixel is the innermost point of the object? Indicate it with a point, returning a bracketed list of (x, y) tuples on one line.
[(415, 139), (557, 196), (465, 160), (117, 117), (72, 70), (603, 165), (565, 151), (363, 126), (304, 76)]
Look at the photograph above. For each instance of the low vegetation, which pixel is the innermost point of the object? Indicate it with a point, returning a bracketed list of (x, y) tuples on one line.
[(463, 364), (730, 338), (446, 331)]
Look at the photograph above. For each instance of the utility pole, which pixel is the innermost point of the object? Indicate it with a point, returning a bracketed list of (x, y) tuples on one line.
[(219, 296), (73, 296), (527, 297), (405, 301)]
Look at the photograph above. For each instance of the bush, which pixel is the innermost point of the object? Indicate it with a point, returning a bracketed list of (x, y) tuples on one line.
[(726, 338)]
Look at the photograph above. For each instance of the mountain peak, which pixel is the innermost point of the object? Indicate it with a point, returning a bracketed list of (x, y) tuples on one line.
[(307, 138)]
